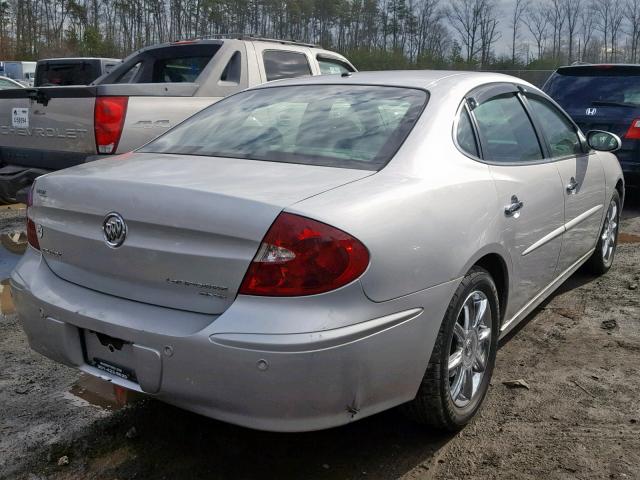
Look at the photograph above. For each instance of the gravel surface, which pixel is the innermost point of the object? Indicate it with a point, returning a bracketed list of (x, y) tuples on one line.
[(571, 410)]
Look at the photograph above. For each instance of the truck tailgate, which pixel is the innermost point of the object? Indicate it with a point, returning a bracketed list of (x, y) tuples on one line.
[(56, 119)]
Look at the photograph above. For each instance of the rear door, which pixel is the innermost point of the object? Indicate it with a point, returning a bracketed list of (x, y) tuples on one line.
[(582, 177), (528, 187)]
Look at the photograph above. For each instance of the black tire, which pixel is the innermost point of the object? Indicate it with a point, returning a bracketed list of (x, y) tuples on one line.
[(598, 264), (433, 404)]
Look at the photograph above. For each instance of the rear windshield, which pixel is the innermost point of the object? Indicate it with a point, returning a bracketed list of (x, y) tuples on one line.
[(75, 73), (582, 87), (329, 125)]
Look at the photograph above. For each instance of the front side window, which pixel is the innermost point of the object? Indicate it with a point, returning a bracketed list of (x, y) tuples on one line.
[(284, 64), (559, 131), (465, 136), (329, 125), (506, 131)]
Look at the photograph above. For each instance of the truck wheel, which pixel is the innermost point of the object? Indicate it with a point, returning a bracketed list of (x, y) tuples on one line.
[(462, 361)]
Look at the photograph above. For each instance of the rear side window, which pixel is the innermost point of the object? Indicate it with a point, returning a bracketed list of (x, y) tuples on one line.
[(331, 66), (559, 131), (50, 74), (284, 64), (465, 136), (328, 125), (506, 131)]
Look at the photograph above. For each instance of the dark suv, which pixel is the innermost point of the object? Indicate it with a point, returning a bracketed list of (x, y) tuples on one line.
[(604, 97)]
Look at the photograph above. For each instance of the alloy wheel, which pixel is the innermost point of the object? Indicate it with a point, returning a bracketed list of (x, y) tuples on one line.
[(609, 232), (470, 348)]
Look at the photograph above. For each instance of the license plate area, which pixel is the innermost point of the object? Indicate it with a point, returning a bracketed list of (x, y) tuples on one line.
[(112, 355)]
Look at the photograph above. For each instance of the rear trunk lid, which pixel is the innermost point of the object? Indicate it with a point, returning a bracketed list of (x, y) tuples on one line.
[(193, 223)]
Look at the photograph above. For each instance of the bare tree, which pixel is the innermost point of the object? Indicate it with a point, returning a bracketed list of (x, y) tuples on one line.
[(557, 17), (633, 16), (488, 30), (609, 16), (464, 17), (537, 22), (586, 27), (519, 10), (572, 13)]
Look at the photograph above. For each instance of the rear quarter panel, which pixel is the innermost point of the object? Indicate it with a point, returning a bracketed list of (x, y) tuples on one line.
[(426, 217)]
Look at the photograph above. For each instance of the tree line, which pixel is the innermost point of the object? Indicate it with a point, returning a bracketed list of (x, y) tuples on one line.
[(374, 34)]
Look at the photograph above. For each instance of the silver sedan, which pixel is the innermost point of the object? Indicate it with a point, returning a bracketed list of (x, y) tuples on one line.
[(313, 251)]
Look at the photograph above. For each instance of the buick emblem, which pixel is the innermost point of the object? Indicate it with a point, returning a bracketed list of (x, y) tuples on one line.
[(114, 230), (591, 111)]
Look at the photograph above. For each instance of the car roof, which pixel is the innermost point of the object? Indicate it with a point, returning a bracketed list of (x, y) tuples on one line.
[(423, 79)]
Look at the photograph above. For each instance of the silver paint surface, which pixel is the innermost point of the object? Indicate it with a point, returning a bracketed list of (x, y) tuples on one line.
[(426, 218)]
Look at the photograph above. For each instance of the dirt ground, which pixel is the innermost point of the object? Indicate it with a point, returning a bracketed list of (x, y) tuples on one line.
[(579, 419)]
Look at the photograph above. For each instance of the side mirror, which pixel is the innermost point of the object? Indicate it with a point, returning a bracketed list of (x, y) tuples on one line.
[(603, 141)]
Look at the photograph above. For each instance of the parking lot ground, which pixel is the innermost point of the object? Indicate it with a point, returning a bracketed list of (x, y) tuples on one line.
[(579, 418)]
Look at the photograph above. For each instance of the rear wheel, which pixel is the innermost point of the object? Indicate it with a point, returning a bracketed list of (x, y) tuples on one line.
[(602, 258), (463, 357)]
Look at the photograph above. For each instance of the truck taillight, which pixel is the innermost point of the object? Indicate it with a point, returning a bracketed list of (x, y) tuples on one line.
[(108, 121), (300, 256), (32, 235), (634, 130)]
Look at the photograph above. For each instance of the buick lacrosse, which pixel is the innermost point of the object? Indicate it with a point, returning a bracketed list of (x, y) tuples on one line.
[(313, 251)]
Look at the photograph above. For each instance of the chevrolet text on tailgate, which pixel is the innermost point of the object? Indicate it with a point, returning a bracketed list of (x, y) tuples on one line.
[(50, 128)]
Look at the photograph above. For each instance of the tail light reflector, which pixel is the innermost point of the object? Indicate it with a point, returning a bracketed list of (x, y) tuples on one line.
[(32, 235), (108, 120), (300, 256), (634, 130)]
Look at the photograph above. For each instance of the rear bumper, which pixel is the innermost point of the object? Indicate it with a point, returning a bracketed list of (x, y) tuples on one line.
[(304, 380)]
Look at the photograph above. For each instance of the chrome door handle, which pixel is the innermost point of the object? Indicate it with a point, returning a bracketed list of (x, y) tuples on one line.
[(514, 206), (573, 186)]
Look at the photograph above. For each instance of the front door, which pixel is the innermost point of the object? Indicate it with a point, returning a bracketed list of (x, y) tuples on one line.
[(582, 178), (529, 190)]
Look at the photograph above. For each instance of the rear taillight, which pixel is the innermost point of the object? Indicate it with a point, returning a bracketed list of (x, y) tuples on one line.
[(32, 234), (634, 130), (300, 256), (108, 120)]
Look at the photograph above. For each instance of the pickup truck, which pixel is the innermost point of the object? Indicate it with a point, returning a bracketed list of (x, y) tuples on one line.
[(50, 128)]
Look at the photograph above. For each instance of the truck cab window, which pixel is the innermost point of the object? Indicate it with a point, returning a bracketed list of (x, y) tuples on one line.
[(284, 64)]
